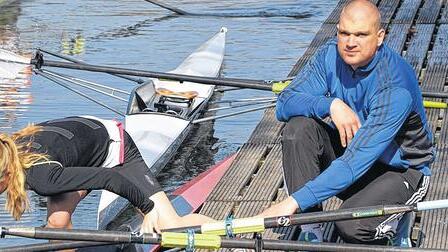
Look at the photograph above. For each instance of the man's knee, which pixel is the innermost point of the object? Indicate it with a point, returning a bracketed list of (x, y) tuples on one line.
[(359, 231), (299, 127)]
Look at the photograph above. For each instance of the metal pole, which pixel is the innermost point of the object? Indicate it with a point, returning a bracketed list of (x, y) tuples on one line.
[(77, 81), (232, 114), (47, 76)]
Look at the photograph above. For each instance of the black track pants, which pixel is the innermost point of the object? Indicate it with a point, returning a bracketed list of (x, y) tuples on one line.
[(309, 147)]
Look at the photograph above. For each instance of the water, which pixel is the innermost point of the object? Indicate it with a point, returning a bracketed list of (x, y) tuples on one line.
[(132, 33)]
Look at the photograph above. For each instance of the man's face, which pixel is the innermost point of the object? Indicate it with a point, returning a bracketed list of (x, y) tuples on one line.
[(358, 40)]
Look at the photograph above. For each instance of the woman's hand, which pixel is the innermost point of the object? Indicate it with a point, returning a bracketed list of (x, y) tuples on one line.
[(151, 222)]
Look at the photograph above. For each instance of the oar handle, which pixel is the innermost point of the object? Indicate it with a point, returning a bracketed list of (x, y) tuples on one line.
[(431, 205), (435, 104)]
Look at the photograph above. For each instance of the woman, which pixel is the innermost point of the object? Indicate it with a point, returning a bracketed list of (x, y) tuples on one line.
[(66, 158)]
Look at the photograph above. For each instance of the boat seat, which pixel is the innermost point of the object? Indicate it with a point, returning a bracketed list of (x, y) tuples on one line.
[(189, 95)]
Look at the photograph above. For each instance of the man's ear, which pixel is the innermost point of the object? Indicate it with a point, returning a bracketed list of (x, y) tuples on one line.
[(381, 34)]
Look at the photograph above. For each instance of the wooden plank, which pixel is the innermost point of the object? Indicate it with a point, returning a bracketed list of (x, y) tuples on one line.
[(268, 130), (239, 173), (251, 208), (218, 210), (439, 53), (429, 12), (419, 45), (435, 78), (268, 179), (406, 12), (387, 9), (433, 116), (437, 71), (396, 37), (434, 225)]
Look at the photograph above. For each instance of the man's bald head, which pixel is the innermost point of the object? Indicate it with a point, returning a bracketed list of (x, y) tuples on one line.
[(364, 11), (359, 33)]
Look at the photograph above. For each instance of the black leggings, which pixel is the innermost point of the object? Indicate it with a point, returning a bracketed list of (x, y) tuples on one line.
[(134, 167), (309, 147)]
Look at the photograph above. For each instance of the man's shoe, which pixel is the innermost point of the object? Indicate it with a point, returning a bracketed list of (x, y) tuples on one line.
[(311, 233)]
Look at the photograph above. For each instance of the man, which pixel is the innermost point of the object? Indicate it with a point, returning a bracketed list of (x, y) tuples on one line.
[(377, 147)]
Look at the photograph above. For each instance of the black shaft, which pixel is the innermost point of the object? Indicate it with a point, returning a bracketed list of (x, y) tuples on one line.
[(310, 246), (326, 216), (241, 83), (434, 94), (82, 235), (336, 215), (168, 7), (139, 81), (54, 246)]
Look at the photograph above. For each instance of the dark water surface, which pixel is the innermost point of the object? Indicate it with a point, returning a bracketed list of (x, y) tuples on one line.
[(261, 44)]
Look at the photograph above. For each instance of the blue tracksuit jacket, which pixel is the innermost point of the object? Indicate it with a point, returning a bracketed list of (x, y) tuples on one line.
[(386, 97)]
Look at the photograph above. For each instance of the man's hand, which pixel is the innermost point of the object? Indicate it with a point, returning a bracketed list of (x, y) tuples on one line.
[(286, 207), (346, 121), (151, 222)]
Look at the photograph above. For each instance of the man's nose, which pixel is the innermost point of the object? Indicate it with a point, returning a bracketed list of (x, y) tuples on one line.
[(351, 41)]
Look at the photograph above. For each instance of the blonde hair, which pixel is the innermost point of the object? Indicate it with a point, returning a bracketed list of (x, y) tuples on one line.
[(14, 158)]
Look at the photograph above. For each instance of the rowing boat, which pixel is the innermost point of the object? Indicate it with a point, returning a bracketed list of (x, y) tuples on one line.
[(186, 199), (160, 114)]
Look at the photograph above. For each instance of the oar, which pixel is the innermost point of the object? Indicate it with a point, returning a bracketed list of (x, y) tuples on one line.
[(169, 7), (264, 13), (52, 246), (71, 59), (15, 63), (190, 240), (254, 225), (15, 60), (434, 94)]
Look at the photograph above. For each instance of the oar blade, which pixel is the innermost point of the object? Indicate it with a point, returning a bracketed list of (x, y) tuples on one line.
[(12, 64)]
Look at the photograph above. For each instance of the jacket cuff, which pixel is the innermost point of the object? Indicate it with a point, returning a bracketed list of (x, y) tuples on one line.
[(323, 106), (305, 198), (146, 206)]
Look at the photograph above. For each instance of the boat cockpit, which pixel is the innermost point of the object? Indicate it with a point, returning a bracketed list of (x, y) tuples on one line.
[(146, 99)]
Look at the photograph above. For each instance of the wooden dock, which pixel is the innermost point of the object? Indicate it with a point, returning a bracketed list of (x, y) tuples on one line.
[(418, 29)]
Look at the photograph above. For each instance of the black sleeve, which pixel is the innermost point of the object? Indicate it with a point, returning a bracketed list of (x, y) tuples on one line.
[(52, 179)]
